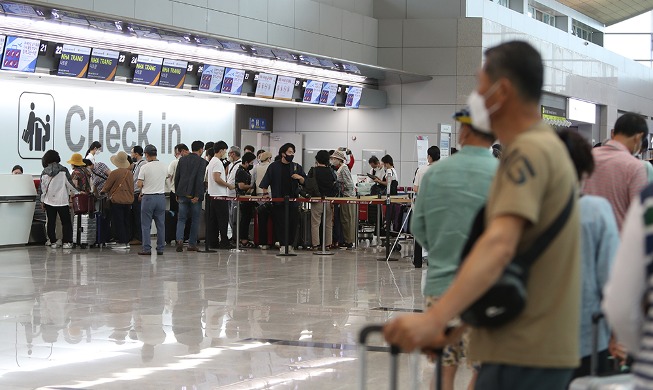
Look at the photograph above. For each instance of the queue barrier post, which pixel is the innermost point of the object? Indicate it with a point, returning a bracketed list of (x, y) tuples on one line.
[(237, 249)]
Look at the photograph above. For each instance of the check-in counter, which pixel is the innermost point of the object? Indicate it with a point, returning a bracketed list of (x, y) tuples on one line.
[(17, 201)]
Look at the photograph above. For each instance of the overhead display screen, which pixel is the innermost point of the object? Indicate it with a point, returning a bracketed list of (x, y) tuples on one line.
[(104, 25), (173, 73), (265, 85), (20, 54), (285, 87), (103, 65), (283, 55), (309, 60), (262, 52), (233, 81), (148, 70), (19, 9), (2, 44), (211, 80), (74, 61), (69, 17), (232, 46), (354, 97), (328, 95), (312, 91)]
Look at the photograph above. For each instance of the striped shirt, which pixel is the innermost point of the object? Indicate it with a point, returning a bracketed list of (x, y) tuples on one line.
[(632, 278), (618, 176)]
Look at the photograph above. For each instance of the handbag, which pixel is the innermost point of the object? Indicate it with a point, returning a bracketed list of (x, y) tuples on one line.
[(83, 203), (506, 299)]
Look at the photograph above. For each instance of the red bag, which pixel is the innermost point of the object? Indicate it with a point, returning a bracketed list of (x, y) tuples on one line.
[(83, 203)]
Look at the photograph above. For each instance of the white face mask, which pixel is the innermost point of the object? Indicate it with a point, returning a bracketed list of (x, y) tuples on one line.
[(480, 114)]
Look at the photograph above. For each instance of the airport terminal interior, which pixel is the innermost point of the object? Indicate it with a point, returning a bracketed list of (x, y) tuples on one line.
[(360, 77)]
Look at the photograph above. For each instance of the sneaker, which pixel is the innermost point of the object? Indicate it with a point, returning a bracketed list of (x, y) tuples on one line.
[(47, 243), (191, 249), (68, 245), (144, 253), (54, 246), (127, 246), (180, 248), (119, 246), (159, 253), (113, 243), (264, 247)]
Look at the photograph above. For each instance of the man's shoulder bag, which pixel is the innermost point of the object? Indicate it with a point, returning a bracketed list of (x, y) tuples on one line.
[(504, 301)]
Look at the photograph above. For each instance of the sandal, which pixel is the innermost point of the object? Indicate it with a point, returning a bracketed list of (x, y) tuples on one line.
[(314, 248)]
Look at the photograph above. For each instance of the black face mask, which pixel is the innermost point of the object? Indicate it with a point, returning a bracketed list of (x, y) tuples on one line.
[(289, 157), (249, 168)]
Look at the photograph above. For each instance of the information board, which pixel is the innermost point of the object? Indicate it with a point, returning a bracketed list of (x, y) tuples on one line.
[(265, 85), (285, 87), (312, 92), (2, 44), (233, 81), (328, 95), (20, 54), (74, 61), (103, 65), (211, 80), (354, 97), (173, 73), (148, 70)]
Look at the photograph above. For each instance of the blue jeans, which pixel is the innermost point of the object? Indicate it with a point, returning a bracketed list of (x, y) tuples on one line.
[(153, 207), (187, 207)]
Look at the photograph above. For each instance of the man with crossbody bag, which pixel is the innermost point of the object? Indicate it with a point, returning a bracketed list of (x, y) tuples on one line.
[(534, 188)]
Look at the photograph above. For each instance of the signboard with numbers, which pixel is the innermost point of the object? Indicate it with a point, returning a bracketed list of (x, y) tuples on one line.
[(285, 88), (265, 85)]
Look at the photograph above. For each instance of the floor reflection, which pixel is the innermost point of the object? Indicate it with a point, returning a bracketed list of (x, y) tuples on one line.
[(101, 319)]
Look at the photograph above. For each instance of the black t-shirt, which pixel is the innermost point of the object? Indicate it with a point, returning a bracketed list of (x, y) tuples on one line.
[(242, 176), (326, 179), (286, 180)]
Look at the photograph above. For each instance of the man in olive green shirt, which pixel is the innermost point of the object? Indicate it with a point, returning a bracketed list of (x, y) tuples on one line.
[(450, 196), (537, 350)]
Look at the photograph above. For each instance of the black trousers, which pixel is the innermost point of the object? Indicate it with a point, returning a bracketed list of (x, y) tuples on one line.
[(120, 221), (246, 215), (135, 231), (217, 223), (66, 223), (279, 222)]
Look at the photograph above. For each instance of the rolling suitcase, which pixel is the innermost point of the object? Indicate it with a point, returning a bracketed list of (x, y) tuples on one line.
[(304, 237), (595, 382), (85, 230), (394, 362)]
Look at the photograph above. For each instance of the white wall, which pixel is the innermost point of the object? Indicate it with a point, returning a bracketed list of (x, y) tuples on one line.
[(334, 28)]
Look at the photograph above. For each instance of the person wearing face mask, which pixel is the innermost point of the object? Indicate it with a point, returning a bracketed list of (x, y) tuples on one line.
[(244, 186), (232, 168), (93, 150), (180, 150), (219, 210), (619, 177), (345, 184), (450, 194), (535, 186), (284, 177)]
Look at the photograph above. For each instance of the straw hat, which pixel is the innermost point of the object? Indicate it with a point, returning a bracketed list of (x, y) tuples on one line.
[(120, 160), (77, 160), (265, 156)]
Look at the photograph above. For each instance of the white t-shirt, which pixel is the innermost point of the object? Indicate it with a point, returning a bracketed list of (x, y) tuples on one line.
[(215, 166), (153, 174), (172, 169), (378, 172), (231, 177), (420, 175), (91, 157)]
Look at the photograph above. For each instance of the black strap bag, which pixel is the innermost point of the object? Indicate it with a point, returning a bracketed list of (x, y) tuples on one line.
[(505, 300)]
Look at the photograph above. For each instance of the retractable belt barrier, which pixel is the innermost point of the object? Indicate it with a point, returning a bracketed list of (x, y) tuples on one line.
[(365, 200)]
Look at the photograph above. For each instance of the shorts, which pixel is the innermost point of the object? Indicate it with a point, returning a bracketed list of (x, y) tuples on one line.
[(453, 355)]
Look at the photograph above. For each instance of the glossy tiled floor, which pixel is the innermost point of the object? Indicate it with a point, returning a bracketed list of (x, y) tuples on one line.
[(103, 319)]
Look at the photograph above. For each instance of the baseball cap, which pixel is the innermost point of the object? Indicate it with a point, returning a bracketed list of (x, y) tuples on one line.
[(463, 116)]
